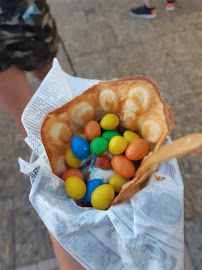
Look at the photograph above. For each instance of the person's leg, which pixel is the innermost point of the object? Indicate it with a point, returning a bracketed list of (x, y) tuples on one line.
[(41, 72), (65, 261), (15, 93), (149, 3), (188, 265)]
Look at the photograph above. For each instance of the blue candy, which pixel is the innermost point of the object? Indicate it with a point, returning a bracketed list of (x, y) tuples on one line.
[(90, 187), (80, 147), (84, 199)]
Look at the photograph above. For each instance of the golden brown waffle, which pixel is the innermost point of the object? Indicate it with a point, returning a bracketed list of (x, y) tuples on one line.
[(136, 99)]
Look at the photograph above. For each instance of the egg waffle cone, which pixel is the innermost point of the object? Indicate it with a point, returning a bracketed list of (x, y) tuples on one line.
[(139, 104)]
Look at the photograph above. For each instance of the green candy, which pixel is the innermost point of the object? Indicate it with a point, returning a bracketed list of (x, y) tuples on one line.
[(99, 146), (108, 135)]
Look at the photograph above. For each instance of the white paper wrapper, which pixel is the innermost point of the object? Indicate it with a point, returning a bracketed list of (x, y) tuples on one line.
[(146, 232)]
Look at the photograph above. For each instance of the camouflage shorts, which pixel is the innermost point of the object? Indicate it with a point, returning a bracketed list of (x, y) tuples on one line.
[(27, 44)]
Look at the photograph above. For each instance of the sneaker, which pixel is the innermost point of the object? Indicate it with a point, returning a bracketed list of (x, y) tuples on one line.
[(143, 12), (170, 5)]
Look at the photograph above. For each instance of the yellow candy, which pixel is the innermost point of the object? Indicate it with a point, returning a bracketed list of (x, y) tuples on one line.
[(117, 181), (83, 136), (130, 136), (117, 145), (71, 160), (75, 187), (102, 197), (109, 121)]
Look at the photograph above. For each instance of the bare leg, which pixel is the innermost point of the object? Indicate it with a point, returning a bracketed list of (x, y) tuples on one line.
[(187, 260), (15, 93), (65, 261), (40, 73), (149, 3)]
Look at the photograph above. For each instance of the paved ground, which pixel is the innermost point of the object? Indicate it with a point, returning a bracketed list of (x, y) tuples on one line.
[(99, 39)]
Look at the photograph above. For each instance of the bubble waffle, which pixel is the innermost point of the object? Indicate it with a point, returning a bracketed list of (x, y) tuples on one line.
[(136, 99)]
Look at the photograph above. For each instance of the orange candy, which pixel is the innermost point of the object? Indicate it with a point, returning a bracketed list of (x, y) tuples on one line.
[(72, 172), (123, 166), (92, 130), (137, 149)]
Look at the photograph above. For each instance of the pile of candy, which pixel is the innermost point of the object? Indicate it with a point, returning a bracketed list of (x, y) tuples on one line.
[(102, 161)]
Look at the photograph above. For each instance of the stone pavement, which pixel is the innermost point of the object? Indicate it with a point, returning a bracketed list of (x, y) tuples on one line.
[(50, 264), (99, 39)]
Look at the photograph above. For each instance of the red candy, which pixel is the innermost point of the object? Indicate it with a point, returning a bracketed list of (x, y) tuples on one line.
[(103, 162)]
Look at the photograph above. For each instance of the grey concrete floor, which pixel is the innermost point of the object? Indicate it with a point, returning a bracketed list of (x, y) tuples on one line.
[(99, 39)]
